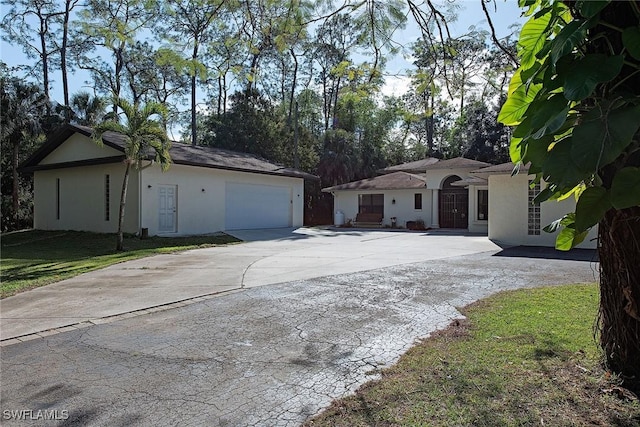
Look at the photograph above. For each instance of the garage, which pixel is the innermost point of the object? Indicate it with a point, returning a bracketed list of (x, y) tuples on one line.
[(257, 206)]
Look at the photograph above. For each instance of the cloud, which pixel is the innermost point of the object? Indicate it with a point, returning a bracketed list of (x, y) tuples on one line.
[(396, 85)]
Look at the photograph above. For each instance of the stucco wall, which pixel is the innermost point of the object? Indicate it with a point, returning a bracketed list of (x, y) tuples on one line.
[(435, 177), (402, 209), (82, 199), (508, 213), (201, 212), (79, 147)]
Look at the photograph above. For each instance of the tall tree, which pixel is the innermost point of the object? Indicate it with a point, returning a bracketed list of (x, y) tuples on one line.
[(145, 139), (87, 110), (23, 107), (61, 41), (113, 26), (575, 102), (189, 25), (28, 24)]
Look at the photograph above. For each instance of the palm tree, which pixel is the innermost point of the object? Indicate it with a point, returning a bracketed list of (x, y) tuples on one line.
[(87, 110), (23, 107), (143, 136)]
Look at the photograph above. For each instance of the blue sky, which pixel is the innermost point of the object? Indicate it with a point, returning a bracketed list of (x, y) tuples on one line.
[(470, 14)]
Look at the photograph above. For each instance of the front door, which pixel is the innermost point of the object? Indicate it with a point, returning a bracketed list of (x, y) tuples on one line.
[(167, 203), (454, 204), (454, 209)]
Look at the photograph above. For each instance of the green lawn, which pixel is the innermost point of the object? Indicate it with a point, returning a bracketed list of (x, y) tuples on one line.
[(36, 258), (523, 358)]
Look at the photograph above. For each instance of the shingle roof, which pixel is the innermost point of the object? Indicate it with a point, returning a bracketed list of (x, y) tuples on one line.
[(184, 154), (501, 169), (458, 163), (392, 181), (418, 165), (470, 180)]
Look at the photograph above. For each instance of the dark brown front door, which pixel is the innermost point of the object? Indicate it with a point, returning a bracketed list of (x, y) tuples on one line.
[(454, 209), (454, 205)]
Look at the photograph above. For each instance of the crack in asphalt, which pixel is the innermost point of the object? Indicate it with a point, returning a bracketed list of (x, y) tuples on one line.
[(272, 355)]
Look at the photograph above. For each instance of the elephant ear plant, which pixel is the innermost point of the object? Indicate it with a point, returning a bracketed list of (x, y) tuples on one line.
[(574, 103)]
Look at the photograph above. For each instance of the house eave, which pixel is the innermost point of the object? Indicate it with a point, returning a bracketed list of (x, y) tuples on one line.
[(73, 164), (301, 175)]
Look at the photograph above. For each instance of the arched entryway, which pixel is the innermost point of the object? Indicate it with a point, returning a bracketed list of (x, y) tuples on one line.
[(454, 204)]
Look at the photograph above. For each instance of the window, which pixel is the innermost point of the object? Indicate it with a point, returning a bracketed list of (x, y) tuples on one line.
[(107, 197), (483, 205), (533, 210), (57, 198), (371, 203), (417, 201)]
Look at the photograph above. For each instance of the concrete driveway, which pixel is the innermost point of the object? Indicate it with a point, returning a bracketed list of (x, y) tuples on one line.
[(270, 256), (264, 355)]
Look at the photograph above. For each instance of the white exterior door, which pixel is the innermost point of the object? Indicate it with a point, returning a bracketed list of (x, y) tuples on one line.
[(257, 206), (167, 204)]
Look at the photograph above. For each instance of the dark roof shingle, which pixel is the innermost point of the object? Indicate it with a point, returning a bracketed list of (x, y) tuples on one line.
[(181, 154), (392, 181)]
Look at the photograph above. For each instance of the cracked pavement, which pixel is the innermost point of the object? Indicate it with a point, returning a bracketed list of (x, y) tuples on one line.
[(264, 356)]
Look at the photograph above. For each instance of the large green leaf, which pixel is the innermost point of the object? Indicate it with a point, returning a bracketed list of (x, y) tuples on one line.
[(603, 136), (583, 75), (517, 103), (591, 207), (589, 141), (625, 189), (515, 150), (568, 38), (569, 238), (631, 40), (532, 38), (559, 167), (549, 116), (536, 150)]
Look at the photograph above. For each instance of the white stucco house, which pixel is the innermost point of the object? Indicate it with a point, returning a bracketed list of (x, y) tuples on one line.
[(457, 194), (77, 186), (420, 191)]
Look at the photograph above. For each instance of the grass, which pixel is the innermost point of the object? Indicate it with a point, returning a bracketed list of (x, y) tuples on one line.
[(522, 358), (37, 258)]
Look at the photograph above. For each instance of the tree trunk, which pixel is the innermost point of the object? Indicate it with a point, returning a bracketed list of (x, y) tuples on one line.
[(63, 60), (15, 197), (194, 58), (123, 200), (45, 61), (619, 315)]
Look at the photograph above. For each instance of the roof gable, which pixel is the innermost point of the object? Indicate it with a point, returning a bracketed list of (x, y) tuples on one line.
[(392, 181), (185, 154), (458, 163), (78, 147), (416, 166), (501, 169)]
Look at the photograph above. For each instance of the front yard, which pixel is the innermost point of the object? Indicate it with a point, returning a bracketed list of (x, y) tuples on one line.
[(523, 358), (36, 258)]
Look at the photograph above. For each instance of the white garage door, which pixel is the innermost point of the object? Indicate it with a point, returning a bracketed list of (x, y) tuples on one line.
[(257, 206)]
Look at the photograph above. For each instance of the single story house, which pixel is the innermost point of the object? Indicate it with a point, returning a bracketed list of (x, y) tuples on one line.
[(457, 193), (420, 191), (77, 186)]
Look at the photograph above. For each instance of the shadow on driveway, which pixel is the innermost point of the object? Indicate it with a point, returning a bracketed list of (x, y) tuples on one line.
[(542, 252)]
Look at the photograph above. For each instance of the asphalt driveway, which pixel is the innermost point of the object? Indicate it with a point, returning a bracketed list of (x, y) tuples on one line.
[(264, 355), (270, 256)]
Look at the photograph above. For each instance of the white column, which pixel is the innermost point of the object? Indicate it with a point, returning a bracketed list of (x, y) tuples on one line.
[(435, 197)]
